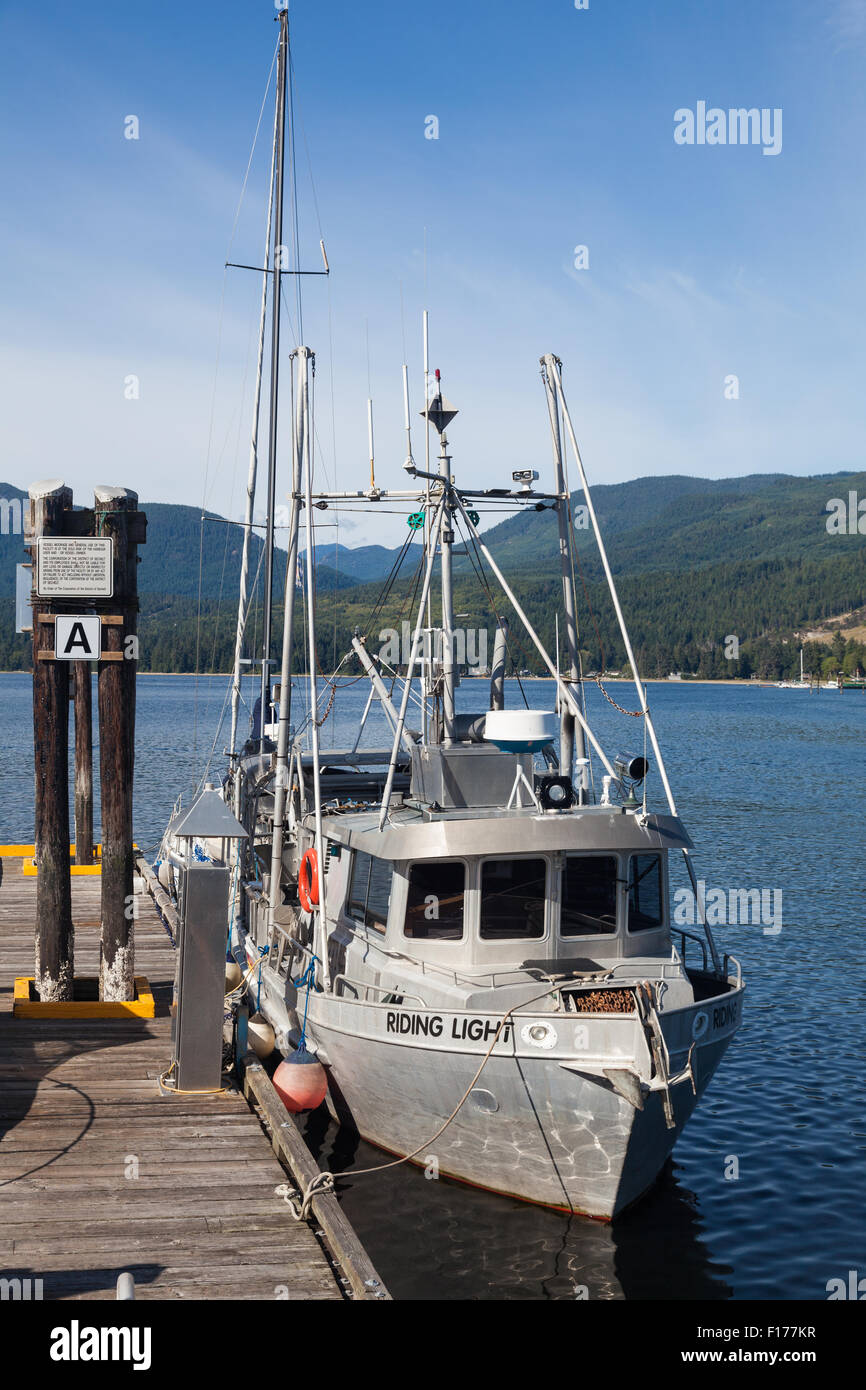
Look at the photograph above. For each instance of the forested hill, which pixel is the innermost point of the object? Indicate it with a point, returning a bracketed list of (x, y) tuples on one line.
[(697, 560)]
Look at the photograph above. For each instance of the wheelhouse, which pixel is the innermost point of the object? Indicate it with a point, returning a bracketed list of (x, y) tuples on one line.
[(493, 909)]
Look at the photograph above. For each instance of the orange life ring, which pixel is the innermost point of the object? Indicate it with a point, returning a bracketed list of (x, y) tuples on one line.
[(308, 880)]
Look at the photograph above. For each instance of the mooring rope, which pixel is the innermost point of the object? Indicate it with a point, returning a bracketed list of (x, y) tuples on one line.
[(305, 1197)]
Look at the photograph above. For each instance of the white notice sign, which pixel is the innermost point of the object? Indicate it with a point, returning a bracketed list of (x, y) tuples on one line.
[(77, 638), (74, 567)]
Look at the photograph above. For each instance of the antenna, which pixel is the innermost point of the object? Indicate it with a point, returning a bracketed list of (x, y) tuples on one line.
[(406, 420), (370, 438)]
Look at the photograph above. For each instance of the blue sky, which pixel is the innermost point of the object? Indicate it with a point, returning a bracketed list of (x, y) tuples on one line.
[(555, 130)]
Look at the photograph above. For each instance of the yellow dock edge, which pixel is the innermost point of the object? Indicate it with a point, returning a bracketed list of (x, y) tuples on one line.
[(26, 853), (142, 1006), (29, 869)]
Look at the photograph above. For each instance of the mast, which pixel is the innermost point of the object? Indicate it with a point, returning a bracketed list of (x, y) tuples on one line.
[(569, 729), (282, 70)]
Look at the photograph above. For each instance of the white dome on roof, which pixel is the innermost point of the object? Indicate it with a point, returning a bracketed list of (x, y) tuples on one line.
[(520, 730)]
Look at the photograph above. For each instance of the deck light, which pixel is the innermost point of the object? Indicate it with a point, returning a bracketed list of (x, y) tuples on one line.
[(630, 768)]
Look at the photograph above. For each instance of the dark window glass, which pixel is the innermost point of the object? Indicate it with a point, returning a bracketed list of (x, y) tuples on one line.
[(379, 893), (512, 898), (434, 909), (588, 896), (369, 890), (359, 882), (645, 892)]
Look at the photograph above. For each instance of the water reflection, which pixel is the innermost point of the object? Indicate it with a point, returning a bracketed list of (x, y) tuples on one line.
[(442, 1240)]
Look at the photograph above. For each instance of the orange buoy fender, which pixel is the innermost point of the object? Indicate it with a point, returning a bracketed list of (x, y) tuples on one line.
[(308, 880), (301, 1082)]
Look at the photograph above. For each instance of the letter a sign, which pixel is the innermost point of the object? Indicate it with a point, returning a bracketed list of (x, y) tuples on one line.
[(77, 639)]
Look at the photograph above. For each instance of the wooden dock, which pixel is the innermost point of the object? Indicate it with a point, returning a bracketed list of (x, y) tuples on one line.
[(101, 1174)]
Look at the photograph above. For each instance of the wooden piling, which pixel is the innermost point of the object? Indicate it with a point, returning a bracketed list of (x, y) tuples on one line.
[(83, 701), (116, 515), (55, 943)]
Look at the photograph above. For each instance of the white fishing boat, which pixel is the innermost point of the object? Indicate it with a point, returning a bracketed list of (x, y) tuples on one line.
[(469, 927)]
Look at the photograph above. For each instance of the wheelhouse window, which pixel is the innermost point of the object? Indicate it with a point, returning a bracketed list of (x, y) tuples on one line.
[(435, 905), (588, 906), (645, 906), (512, 899), (369, 890)]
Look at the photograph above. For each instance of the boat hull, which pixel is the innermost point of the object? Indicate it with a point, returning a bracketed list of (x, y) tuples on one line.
[(549, 1129)]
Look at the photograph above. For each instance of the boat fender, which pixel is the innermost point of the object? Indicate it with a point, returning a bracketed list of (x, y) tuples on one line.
[(301, 1081), (308, 880)]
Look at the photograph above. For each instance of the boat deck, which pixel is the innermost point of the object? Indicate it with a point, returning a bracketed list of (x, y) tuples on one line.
[(100, 1173)]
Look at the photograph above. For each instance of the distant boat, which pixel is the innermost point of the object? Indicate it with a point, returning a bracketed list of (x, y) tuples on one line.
[(801, 684)]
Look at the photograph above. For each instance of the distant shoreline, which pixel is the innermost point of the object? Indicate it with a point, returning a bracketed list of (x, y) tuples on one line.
[(608, 680)]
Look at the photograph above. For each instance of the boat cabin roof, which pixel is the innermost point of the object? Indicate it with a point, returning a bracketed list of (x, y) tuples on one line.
[(414, 834)]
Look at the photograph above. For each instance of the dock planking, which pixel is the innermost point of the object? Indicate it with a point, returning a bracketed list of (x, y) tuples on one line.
[(100, 1173)]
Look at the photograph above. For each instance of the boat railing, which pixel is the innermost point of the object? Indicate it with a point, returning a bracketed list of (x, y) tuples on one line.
[(692, 936), (726, 959), (366, 985)]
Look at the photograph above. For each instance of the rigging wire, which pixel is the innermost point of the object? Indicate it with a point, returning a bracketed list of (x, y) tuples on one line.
[(212, 416)]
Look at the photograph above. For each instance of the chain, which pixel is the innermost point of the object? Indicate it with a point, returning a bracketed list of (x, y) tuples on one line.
[(632, 713)]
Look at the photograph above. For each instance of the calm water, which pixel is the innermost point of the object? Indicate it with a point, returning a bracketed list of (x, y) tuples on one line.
[(771, 784)]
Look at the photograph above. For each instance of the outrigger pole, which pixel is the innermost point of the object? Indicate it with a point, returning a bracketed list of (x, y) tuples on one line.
[(552, 365), (281, 778), (307, 361)]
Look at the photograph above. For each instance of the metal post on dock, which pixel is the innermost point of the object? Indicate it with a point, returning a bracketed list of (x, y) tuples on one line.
[(116, 515), (197, 1029), (83, 703), (50, 502)]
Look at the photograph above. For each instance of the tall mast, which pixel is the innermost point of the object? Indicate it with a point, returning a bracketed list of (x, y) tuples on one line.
[(282, 70), (570, 730)]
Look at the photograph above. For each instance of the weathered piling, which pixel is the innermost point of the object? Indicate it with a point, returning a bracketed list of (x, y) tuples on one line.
[(83, 702), (116, 514), (55, 943)]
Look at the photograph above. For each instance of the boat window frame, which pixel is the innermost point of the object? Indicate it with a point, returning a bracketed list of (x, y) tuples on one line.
[(607, 936), (547, 857), (468, 888), (375, 925), (661, 859)]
